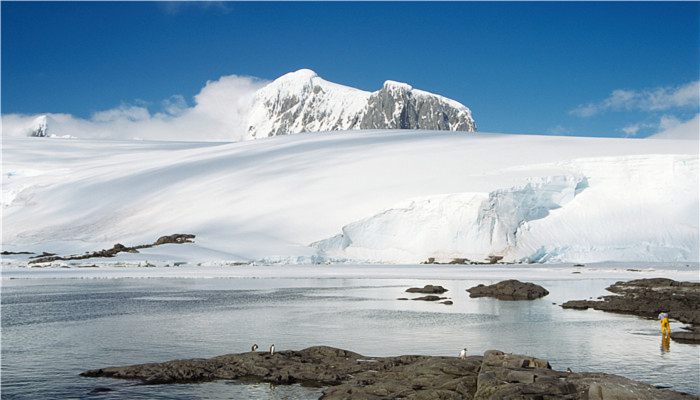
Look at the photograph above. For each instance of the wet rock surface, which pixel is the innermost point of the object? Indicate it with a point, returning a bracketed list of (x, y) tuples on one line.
[(430, 297), (427, 289), (649, 297), (692, 336), (349, 375), (509, 290)]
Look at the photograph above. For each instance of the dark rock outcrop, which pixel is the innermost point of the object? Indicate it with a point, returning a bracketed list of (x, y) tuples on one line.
[(399, 106), (349, 375), (177, 238), (649, 297), (40, 127), (509, 290), (427, 289), (692, 336), (430, 297)]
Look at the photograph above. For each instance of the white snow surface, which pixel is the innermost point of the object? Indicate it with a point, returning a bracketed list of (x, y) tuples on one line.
[(393, 196)]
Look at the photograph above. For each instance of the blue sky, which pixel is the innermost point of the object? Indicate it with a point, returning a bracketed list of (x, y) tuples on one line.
[(520, 67)]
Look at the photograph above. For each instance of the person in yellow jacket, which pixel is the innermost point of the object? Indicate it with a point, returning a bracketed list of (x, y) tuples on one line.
[(665, 327)]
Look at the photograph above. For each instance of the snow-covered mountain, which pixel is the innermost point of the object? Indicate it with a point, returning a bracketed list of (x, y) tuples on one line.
[(387, 196), (302, 101), (240, 109), (39, 127)]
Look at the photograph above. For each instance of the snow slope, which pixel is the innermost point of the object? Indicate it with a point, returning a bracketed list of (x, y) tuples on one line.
[(394, 196)]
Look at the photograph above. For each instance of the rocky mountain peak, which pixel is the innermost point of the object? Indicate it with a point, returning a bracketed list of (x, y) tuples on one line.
[(40, 127), (302, 101)]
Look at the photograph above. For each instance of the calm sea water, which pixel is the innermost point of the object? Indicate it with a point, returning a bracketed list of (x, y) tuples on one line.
[(55, 328)]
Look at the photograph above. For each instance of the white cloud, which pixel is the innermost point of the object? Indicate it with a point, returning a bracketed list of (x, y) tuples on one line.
[(124, 112), (671, 127), (634, 129), (559, 130), (174, 105), (176, 7), (656, 99), (220, 112)]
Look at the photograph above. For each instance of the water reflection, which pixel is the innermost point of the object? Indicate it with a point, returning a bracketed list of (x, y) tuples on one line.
[(665, 343)]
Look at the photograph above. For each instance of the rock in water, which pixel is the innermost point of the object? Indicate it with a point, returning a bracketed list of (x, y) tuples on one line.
[(427, 289), (430, 297), (647, 298), (692, 336), (509, 290), (349, 375)]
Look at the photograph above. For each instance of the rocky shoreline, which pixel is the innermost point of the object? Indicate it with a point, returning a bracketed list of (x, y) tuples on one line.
[(649, 297), (349, 375)]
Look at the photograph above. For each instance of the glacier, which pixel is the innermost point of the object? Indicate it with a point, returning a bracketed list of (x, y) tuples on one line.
[(453, 226), (389, 196)]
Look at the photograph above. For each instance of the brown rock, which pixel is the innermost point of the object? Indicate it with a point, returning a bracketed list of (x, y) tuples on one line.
[(509, 290), (349, 375), (428, 289)]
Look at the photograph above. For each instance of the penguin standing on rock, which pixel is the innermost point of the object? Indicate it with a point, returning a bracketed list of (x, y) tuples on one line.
[(254, 348), (463, 354), (272, 349)]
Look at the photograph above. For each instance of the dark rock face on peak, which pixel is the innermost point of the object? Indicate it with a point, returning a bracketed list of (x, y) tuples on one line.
[(40, 127), (399, 106), (509, 290)]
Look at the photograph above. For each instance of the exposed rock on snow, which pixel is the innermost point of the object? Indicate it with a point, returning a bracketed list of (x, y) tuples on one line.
[(177, 238), (399, 106), (39, 127), (302, 101)]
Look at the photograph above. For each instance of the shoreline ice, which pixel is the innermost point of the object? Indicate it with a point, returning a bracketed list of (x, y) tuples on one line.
[(542, 272)]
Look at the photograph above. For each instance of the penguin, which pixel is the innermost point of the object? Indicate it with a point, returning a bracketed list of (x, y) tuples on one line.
[(463, 354), (255, 347), (272, 349), (569, 370)]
